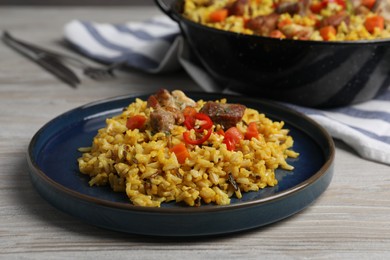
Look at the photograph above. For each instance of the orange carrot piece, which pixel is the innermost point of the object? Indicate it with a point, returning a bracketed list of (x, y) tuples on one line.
[(277, 34), (252, 131), (317, 7), (327, 32), (189, 111), (181, 152), (283, 23), (135, 122), (218, 15), (373, 22)]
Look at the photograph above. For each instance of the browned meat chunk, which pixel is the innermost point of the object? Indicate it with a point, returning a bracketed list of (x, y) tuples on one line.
[(382, 7), (152, 102), (177, 114), (263, 24), (304, 7), (164, 98), (336, 19), (167, 109), (227, 115), (286, 7), (238, 7), (296, 30), (162, 120)]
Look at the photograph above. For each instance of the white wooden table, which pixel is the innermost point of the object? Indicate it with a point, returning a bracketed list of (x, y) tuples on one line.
[(350, 220)]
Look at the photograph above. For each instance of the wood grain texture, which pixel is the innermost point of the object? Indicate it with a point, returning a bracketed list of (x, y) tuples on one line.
[(350, 220)]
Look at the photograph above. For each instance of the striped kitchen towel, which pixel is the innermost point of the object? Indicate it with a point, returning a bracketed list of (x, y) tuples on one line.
[(150, 46), (365, 127), (155, 46)]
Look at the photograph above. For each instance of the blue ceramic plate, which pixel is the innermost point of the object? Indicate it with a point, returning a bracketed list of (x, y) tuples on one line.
[(52, 158)]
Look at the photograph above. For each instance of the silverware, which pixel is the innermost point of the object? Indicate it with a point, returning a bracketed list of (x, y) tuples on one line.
[(97, 73), (104, 72), (42, 58)]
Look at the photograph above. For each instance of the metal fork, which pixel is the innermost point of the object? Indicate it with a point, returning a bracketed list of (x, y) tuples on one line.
[(103, 72), (97, 73)]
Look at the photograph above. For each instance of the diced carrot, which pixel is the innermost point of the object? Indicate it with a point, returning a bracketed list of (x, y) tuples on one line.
[(368, 3), (341, 3), (317, 7), (373, 22), (245, 21), (317, 23), (251, 131), (283, 23), (232, 138), (181, 152), (277, 34), (189, 111), (135, 122), (327, 32), (218, 15)]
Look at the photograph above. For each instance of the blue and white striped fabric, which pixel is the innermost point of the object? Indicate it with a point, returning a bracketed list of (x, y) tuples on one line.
[(155, 46), (150, 46), (365, 126)]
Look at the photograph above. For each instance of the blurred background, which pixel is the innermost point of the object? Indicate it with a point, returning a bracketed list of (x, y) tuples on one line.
[(76, 2)]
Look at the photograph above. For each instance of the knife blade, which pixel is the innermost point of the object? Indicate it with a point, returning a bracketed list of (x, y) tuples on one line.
[(59, 70), (43, 59)]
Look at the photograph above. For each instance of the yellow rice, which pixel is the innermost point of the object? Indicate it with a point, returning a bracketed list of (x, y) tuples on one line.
[(140, 164), (199, 11)]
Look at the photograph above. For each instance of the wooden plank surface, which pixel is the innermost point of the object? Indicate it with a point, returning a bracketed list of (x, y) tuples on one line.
[(350, 220)]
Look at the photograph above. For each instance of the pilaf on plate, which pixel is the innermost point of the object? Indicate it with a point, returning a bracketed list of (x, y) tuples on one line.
[(172, 148)]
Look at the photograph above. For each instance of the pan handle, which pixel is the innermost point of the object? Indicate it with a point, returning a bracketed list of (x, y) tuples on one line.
[(166, 8)]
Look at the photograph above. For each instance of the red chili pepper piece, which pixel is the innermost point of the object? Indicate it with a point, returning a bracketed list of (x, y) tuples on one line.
[(189, 122), (187, 138), (204, 124)]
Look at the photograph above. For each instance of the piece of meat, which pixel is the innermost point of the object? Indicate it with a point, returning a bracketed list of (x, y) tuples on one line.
[(362, 10), (165, 98), (227, 115), (152, 102), (378, 4), (162, 120), (177, 99), (288, 7), (335, 20), (182, 100), (263, 24), (304, 7), (167, 109), (382, 7), (238, 8), (298, 31), (177, 114)]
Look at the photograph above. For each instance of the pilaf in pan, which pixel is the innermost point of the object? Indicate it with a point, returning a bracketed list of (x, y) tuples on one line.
[(318, 20)]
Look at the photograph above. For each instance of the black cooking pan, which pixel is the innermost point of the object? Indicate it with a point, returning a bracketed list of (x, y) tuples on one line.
[(309, 73)]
